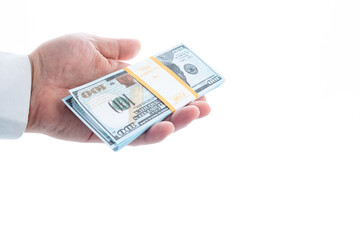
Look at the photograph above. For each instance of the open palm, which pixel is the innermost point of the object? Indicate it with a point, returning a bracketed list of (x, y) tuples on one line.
[(73, 60)]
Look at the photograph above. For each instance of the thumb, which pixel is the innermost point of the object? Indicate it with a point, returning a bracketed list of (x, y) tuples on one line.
[(115, 65), (117, 49)]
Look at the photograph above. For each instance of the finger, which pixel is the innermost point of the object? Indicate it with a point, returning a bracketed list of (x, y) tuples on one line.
[(155, 134), (201, 104), (184, 116), (202, 98), (115, 65), (117, 49), (93, 138), (203, 107)]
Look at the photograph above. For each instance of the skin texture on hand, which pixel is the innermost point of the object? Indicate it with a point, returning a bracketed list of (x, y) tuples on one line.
[(73, 60)]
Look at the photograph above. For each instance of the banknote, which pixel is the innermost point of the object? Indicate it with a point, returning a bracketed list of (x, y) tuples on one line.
[(118, 108), (83, 116)]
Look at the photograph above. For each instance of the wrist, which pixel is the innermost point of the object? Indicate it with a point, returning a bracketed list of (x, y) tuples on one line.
[(32, 106)]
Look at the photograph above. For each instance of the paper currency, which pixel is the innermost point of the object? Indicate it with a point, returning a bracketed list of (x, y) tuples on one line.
[(118, 108)]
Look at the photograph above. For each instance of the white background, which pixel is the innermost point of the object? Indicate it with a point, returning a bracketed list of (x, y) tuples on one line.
[(278, 158)]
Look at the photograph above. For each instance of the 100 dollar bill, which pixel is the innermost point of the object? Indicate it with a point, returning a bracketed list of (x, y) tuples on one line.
[(118, 108)]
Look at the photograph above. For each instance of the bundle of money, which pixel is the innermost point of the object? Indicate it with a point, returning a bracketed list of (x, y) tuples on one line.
[(120, 106)]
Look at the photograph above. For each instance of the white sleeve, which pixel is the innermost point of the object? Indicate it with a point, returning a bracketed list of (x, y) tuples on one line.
[(15, 89)]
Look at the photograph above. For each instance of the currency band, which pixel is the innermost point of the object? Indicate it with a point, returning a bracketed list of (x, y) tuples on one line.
[(163, 83), (142, 82), (175, 76)]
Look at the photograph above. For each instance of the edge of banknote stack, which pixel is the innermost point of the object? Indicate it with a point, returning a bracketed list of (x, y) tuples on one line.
[(122, 105)]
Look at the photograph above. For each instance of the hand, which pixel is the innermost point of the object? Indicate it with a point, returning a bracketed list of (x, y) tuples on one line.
[(73, 60)]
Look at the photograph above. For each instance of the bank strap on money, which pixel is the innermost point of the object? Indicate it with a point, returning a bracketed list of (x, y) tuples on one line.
[(163, 83), (122, 105)]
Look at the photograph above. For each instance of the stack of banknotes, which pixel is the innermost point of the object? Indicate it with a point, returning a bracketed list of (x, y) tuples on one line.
[(120, 106)]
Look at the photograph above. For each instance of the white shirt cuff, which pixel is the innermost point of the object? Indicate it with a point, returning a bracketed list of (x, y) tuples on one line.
[(15, 89)]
